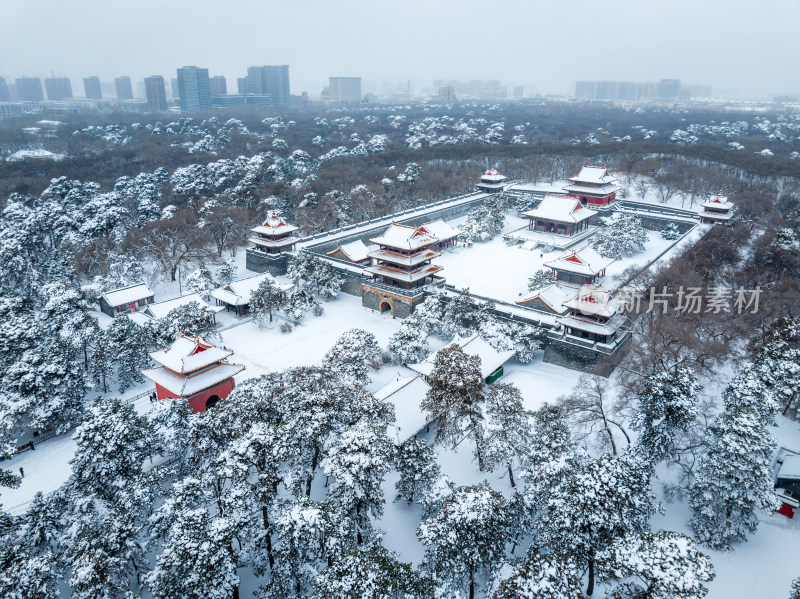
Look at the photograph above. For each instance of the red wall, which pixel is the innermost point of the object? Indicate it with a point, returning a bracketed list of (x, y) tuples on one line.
[(596, 201), (197, 403)]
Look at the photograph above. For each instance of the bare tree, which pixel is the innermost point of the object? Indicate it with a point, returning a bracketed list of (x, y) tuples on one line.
[(592, 406), (170, 242)]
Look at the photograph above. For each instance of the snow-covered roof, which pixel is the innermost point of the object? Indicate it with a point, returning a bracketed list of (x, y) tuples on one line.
[(161, 309), (406, 394), (126, 295), (186, 386), (602, 190), (274, 243), (718, 202), (583, 261), (274, 225), (593, 300), (37, 153), (139, 318), (355, 251), (790, 467), (492, 176), (553, 296), (591, 326), (440, 229), (188, 354), (238, 293), (562, 209), (402, 275), (596, 175), (474, 345), (404, 237)]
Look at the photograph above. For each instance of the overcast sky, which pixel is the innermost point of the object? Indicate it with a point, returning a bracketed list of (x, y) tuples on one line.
[(745, 45)]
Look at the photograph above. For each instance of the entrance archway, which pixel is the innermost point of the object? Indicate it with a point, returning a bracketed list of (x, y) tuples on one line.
[(212, 401), (385, 307)]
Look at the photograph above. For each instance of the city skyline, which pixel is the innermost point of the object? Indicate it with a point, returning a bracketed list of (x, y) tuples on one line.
[(743, 47)]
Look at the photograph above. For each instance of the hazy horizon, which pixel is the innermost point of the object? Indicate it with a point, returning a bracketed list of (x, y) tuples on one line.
[(735, 47)]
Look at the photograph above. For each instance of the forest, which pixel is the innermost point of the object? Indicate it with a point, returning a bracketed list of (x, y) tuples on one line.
[(284, 482)]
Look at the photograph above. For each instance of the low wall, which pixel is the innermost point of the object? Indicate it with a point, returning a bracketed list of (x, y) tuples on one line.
[(446, 213), (274, 264)]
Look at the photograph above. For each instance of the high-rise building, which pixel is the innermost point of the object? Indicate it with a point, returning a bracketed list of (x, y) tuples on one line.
[(519, 91), (270, 81), (241, 85), (447, 94), (29, 89), (58, 88), (668, 89), (218, 86), (4, 95), (155, 92), (173, 86), (194, 89), (344, 90), (92, 89), (123, 87)]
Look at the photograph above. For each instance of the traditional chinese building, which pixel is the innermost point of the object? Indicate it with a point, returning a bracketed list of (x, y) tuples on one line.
[(717, 210), (592, 317), (235, 296), (126, 299), (583, 266), (593, 186), (272, 241), (402, 267), (559, 215), (548, 299), (356, 252), (194, 370), (439, 228), (491, 181)]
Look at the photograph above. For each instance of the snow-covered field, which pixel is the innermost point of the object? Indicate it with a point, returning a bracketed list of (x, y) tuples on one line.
[(497, 270)]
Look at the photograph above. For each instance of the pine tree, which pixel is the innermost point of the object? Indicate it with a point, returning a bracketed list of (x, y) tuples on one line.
[(109, 495), (298, 302), (197, 559), (127, 343), (24, 575), (358, 462), (508, 431), (664, 565), (795, 592), (747, 391), (372, 573), (301, 527), (548, 576), (252, 463), (621, 235), (168, 420), (267, 299), (667, 407), (541, 278), (226, 272), (191, 319), (777, 363), (409, 344), (353, 354), (455, 398), (549, 457), (591, 506), (200, 281), (416, 463), (734, 480), (466, 537), (432, 313)]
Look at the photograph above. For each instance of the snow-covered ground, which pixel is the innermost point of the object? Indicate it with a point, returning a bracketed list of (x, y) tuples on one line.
[(494, 269)]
